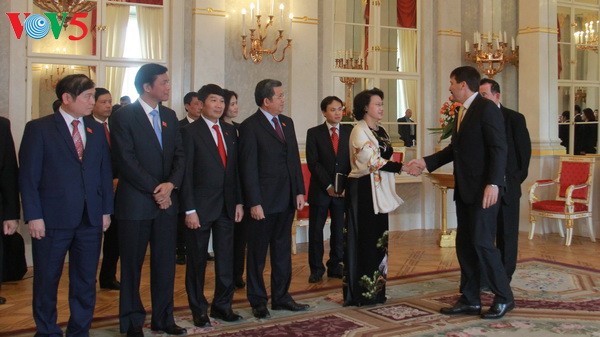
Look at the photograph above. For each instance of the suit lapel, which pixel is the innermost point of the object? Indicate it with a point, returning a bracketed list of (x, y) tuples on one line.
[(324, 134), (90, 138), (206, 135), (145, 125), (63, 130), (267, 125)]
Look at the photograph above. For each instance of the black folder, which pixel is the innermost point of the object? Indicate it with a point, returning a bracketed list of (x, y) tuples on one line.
[(339, 184)]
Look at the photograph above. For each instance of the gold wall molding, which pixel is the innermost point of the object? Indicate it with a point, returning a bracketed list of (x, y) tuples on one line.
[(449, 32), (531, 30), (305, 20), (210, 12)]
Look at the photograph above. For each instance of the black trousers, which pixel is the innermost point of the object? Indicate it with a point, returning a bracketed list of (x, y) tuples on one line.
[(477, 253), (273, 234), (317, 218), (507, 237), (240, 238), (110, 253), (134, 236)]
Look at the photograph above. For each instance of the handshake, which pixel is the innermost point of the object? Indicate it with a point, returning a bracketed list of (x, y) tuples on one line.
[(415, 167)]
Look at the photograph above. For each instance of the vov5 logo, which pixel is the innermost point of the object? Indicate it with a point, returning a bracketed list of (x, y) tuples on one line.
[(37, 26)]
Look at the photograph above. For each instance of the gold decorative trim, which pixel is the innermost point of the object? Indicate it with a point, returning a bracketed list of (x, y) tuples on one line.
[(547, 152), (449, 32), (529, 30), (210, 12), (305, 19)]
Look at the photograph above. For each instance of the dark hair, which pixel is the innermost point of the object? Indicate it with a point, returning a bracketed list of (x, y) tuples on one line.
[(100, 92), (362, 100), (56, 104), (577, 109), (147, 75), (589, 115), (467, 74), (125, 98), (265, 89), (566, 114), (187, 99), (73, 85), (209, 89), (116, 107), (227, 95), (328, 100), (494, 87)]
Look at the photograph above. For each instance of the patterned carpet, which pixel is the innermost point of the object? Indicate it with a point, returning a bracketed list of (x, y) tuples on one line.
[(552, 299)]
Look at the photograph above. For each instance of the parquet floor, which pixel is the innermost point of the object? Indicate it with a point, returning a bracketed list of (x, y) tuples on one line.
[(410, 252)]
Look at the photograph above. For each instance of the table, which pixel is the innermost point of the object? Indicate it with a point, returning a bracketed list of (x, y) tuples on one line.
[(444, 181)]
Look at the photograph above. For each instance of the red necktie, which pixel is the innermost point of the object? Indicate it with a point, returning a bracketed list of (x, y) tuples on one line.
[(106, 133), (220, 145), (77, 139), (278, 129), (335, 139)]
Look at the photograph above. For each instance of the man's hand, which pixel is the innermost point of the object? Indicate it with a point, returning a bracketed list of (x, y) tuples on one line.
[(105, 222), (115, 183), (10, 226), (415, 167), (490, 196), (331, 192), (166, 203), (239, 213), (300, 202), (37, 228), (257, 213), (162, 192), (192, 221)]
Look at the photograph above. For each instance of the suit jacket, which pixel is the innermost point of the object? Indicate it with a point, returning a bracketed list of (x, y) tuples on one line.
[(478, 151), (404, 131), (183, 122), (519, 153), (10, 206), (270, 169), (55, 185), (141, 162), (322, 161), (207, 185)]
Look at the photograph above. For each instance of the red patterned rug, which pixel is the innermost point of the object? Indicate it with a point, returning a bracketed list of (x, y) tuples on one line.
[(552, 299)]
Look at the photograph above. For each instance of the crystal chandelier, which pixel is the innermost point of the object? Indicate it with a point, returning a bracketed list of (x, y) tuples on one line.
[(587, 39), (492, 55), (65, 6)]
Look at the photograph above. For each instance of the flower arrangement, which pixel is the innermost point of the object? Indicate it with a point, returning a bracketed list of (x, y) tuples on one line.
[(448, 113)]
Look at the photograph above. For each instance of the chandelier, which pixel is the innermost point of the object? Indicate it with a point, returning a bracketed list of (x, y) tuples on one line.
[(587, 39), (347, 59), (259, 33), (65, 6), (492, 55)]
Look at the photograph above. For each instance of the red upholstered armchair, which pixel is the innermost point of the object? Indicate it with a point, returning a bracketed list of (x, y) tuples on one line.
[(301, 218), (573, 199)]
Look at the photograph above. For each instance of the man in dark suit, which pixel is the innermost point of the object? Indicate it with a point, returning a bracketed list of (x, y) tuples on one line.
[(327, 153), (149, 156), (110, 247), (408, 132), (10, 209), (273, 188), (66, 187), (517, 167), (192, 109), (213, 201), (478, 150)]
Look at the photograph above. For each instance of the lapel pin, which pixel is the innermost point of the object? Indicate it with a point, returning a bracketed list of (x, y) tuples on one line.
[(89, 130), (164, 124), (283, 124)]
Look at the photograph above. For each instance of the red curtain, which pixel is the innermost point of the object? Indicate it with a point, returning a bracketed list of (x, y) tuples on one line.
[(407, 13)]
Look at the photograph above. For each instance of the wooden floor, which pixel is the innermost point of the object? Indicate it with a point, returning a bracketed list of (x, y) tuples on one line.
[(410, 252)]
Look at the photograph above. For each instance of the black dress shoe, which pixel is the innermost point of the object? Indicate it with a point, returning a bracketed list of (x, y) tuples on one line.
[(180, 259), (498, 310), (111, 285), (239, 283), (172, 330), (227, 316), (2, 300), (315, 278), (290, 306), (461, 308), (135, 331), (201, 320), (261, 311)]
